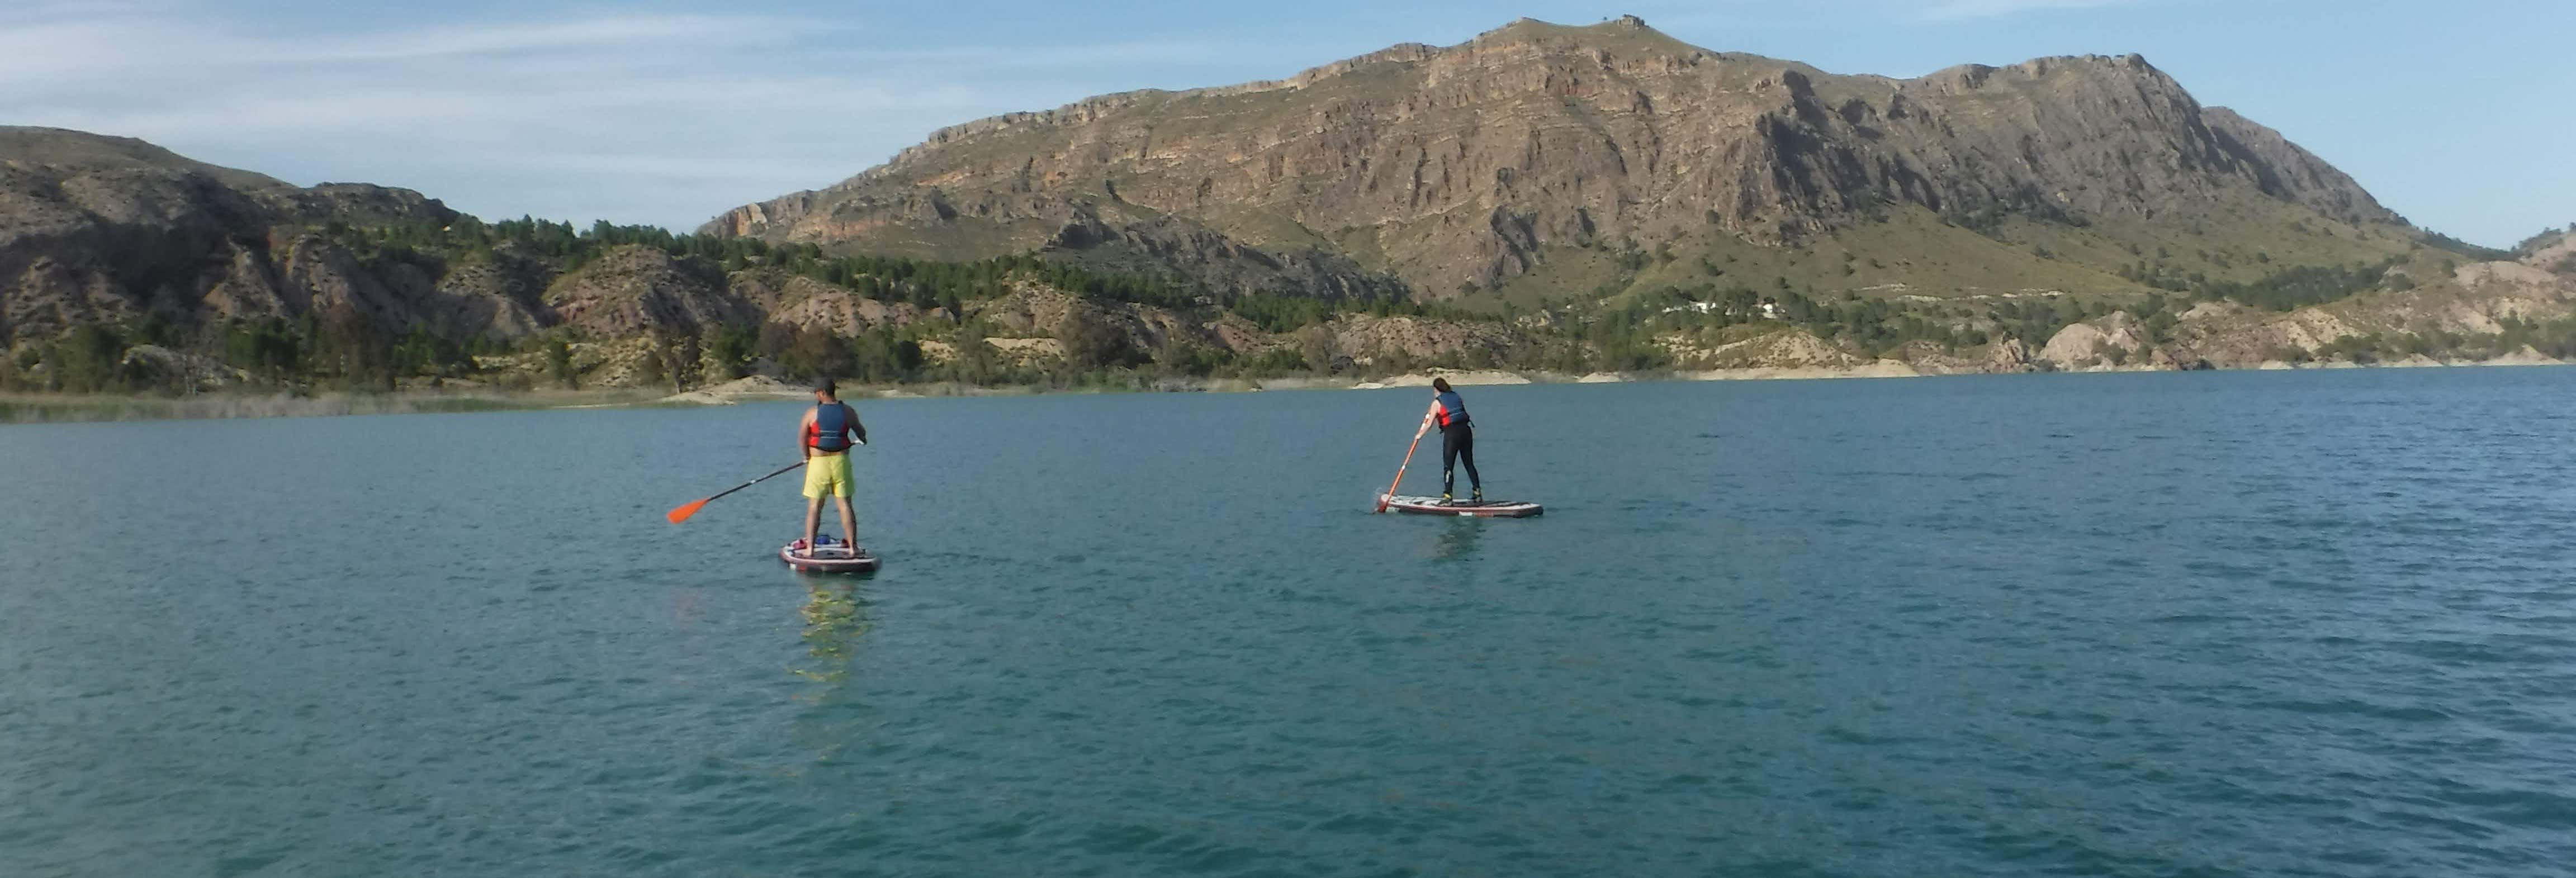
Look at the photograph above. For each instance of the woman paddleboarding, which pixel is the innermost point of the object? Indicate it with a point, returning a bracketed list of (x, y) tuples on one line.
[(1457, 444), (1457, 441)]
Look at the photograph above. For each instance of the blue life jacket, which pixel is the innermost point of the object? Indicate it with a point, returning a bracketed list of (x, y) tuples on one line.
[(1452, 409), (831, 430)]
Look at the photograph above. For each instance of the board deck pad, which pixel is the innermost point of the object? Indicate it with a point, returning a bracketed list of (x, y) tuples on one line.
[(830, 557), (1463, 508)]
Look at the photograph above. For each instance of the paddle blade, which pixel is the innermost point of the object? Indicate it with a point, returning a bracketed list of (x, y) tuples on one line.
[(685, 510), (1382, 500)]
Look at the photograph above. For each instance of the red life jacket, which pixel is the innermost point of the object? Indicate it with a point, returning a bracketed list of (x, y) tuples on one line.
[(1452, 409), (830, 430)]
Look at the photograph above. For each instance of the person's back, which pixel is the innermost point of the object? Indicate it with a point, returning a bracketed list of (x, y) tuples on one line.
[(828, 430), (825, 436), (1453, 410), (1457, 439)]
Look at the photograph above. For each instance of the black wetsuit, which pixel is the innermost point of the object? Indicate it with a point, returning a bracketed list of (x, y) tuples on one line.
[(1457, 442)]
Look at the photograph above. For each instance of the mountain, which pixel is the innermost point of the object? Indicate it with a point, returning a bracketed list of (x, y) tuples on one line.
[(126, 266), (100, 229), (1567, 199), (2554, 250), (1532, 157)]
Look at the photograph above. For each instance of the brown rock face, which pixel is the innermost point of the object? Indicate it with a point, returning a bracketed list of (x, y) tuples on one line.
[(2082, 345), (631, 289), (107, 229), (804, 302), (2007, 355), (1462, 164)]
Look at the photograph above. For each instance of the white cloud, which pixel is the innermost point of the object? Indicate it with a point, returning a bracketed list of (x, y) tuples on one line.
[(125, 43), (1991, 8), (666, 119), (33, 11)]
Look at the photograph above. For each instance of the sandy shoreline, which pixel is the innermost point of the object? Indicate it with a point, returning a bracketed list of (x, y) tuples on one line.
[(52, 408), (763, 389)]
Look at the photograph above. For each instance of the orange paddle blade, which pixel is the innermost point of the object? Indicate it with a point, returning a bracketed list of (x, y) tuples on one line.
[(685, 510)]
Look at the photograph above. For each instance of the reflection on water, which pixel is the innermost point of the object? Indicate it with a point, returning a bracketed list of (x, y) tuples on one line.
[(835, 619), (1458, 540), (1983, 626)]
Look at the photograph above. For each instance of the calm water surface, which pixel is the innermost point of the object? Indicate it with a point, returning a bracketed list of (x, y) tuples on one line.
[(2181, 624)]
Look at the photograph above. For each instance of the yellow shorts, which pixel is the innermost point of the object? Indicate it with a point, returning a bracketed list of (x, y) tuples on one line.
[(827, 476)]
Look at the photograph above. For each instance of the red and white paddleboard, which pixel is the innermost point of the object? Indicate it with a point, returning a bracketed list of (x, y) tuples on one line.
[(1463, 508), (831, 557)]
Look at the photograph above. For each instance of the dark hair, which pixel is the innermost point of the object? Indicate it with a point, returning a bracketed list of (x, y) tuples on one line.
[(1440, 384), (826, 386)]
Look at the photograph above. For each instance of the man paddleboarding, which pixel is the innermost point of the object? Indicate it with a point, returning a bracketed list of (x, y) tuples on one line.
[(825, 436), (1457, 440)]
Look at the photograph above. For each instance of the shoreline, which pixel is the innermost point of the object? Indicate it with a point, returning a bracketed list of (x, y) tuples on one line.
[(43, 408)]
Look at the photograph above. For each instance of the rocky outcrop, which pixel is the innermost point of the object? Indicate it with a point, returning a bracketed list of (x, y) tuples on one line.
[(1786, 349), (631, 290), (180, 368), (1033, 310), (499, 297), (804, 302), (110, 229), (2110, 341), (2553, 250), (1370, 340), (2007, 355), (1172, 246)]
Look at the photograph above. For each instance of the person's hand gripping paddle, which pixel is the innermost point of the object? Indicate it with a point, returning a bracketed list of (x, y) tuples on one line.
[(684, 510), (1389, 496)]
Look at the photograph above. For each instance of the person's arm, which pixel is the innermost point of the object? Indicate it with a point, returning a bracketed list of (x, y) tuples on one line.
[(858, 430), (802, 449)]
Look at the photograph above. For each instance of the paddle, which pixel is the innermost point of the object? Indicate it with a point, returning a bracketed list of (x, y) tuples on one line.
[(1389, 496), (688, 509)]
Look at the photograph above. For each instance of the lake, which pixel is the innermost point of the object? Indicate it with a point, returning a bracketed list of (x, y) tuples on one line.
[(2305, 623)]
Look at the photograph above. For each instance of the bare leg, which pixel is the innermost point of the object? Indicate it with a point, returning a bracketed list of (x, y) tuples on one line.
[(849, 525), (813, 522)]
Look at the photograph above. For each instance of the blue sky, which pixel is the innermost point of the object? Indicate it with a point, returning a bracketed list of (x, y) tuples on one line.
[(2457, 115)]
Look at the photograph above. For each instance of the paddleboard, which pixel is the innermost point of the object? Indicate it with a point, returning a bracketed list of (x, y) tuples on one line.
[(833, 556), (1463, 508)]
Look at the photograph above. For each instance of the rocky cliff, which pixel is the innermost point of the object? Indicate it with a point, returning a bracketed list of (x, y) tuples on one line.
[(1588, 199), (1469, 166), (116, 233), (99, 230)]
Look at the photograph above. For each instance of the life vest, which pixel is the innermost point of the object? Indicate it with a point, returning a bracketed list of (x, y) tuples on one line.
[(831, 428), (1452, 409)]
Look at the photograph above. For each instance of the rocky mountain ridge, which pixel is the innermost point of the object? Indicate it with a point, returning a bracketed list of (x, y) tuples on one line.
[(1472, 165), (1589, 199), (111, 232)]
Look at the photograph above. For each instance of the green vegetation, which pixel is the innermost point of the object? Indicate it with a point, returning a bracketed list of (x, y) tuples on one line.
[(2295, 288), (1628, 335), (50, 407), (1665, 307), (2554, 338), (331, 350), (2441, 241), (922, 283)]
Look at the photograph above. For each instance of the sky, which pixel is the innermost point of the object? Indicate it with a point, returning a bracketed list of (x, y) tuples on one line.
[(2457, 115)]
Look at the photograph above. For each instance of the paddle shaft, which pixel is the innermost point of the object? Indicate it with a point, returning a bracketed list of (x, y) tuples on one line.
[(1408, 462), (781, 471)]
